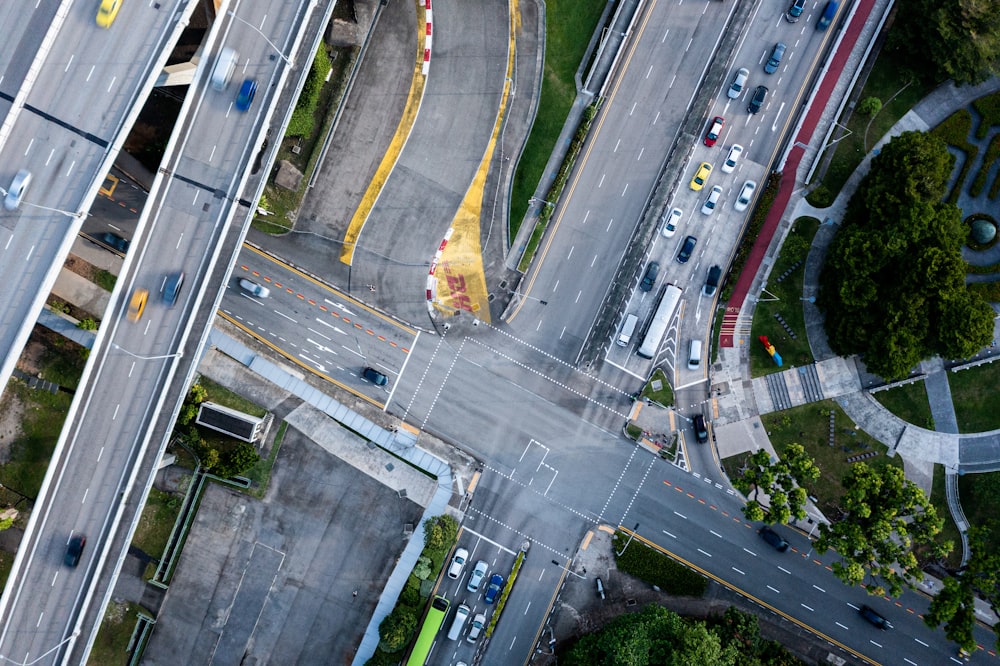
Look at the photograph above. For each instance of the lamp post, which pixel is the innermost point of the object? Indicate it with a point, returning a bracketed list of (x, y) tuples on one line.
[(146, 358), (78, 215), (517, 293), (632, 534), (44, 654), (288, 61)]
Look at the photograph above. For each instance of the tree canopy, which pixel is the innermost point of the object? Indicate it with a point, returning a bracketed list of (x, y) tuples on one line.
[(781, 480), (893, 285), (659, 636), (954, 605), (942, 39), (886, 518)]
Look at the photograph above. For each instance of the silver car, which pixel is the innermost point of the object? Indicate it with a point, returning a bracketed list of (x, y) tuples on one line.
[(254, 289), (17, 188), (746, 194), (739, 83), (712, 200)]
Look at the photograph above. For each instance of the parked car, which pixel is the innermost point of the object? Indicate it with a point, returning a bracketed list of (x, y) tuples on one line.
[(744, 197), (254, 289), (74, 549), (114, 241), (713, 198), (670, 222), (244, 98), (600, 588), (732, 158), (458, 563), (374, 376), (172, 287), (773, 539), (687, 249), (736, 87), (714, 130), (777, 53), (700, 429), (493, 589), (872, 616), (757, 101), (701, 176), (478, 574), (17, 188), (795, 11)]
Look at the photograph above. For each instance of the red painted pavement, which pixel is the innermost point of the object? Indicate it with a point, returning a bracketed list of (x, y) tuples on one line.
[(805, 135)]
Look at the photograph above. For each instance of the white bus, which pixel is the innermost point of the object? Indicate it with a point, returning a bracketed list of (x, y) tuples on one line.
[(657, 328)]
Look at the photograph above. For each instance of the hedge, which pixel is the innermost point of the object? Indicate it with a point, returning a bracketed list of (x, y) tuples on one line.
[(657, 569)]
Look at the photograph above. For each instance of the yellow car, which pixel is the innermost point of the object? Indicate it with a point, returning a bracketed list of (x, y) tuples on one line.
[(107, 12), (137, 304), (701, 176)]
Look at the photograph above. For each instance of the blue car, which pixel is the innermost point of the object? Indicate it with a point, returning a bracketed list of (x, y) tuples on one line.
[(496, 584), (245, 96)]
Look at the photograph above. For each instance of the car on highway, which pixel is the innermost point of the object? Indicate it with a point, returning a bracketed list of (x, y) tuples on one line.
[(493, 589), (458, 563), (757, 101), (476, 628), (244, 98), (829, 11), (713, 198), (74, 549), (107, 12), (137, 304), (732, 158), (687, 249), (376, 378), (17, 188), (795, 11), (712, 281), (773, 539), (254, 289), (873, 617), (701, 176), (745, 195), (777, 53), (114, 241), (172, 287), (670, 222), (739, 82), (478, 574), (700, 430), (649, 279), (714, 130)]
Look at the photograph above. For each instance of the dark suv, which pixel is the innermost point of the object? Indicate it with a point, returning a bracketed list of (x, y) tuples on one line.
[(649, 279), (700, 430), (873, 617), (757, 101), (74, 550), (114, 241), (686, 249), (374, 376), (773, 539)]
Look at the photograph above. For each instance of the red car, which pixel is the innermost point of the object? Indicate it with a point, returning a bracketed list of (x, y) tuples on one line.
[(714, 130)]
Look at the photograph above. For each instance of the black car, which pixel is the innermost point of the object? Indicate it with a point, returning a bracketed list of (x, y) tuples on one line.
[(773, 539), (873, 617), (74, 550), (114, 241), (700, 431), (687, 249), (172, 287), (649, 279), (374, 376), (757, 101)]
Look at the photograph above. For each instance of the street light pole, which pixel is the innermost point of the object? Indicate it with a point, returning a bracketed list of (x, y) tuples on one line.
[(288, 61), (146, 358), (632, 534)]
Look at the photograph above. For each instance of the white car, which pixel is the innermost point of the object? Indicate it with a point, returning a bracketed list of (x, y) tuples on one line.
[(670, 222), (734, 156), (254, 289), (458, 563), (476, 627), (17, 188), (746, 194), (478, 574), (739, 83), (712, 200)]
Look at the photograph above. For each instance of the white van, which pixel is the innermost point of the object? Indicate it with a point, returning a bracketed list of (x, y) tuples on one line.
[(628, 328), (694, 355), (224, 67), (461, 615)]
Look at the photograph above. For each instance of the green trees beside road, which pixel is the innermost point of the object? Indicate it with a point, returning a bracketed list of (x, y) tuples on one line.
[(782, 481), (893, 285)]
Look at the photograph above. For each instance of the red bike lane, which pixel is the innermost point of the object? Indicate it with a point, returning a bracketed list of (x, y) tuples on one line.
[(805, 135)]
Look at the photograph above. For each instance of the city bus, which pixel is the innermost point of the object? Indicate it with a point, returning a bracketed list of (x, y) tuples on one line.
[(432, 623), (657, 328)]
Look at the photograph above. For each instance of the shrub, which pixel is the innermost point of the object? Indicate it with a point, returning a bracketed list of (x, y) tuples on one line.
[(440, 533), (422, 570), (302, 120), (410, 596), (989, 290), (397, 628), (869, 106), (657, 569), (989, 107), (820, 197), (87, 324), (992, 152)]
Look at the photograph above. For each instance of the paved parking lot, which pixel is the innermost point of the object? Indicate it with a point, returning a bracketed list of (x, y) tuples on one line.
[(274, 581)]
